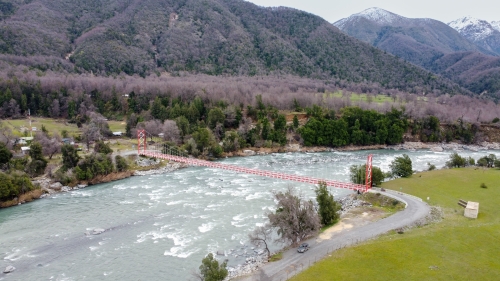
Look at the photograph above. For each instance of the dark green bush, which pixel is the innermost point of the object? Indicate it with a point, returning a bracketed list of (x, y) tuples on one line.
[(121, 163), (14, 184), (101, 147)]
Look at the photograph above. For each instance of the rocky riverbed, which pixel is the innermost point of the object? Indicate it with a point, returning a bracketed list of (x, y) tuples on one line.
[(256, 257), (169, 167), (50, 187), (438, 147)]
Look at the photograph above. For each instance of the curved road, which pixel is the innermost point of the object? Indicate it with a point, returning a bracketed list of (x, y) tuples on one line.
[(293, 262)]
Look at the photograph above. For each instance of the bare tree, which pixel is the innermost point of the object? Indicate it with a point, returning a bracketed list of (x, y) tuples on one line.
[(261, 236), (219, 131), (55, 109), (295, 218), (50, 146), (101, 123), (171, 131), (153, 127), (90, 133), (245, 126), (11, 109), (6, 136)]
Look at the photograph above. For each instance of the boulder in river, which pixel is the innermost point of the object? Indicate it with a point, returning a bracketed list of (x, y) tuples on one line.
[(9, 269), (56, 186), (98, 231), (437, 149), (249, 152)]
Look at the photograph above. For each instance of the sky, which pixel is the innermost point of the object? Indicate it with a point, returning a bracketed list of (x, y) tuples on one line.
[(442, 10)]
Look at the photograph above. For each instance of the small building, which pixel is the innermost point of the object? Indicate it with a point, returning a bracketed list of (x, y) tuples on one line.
[(471, 210), (24, 140), (25, 150), (117, 134)]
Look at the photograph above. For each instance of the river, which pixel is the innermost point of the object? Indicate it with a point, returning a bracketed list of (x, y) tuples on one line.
[(161, 226)]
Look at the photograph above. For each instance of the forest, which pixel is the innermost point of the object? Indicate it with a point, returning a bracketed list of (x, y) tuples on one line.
[(210, 117), (219, 37)]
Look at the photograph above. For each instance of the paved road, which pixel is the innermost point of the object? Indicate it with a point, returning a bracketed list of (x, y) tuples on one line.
[(293, 262)]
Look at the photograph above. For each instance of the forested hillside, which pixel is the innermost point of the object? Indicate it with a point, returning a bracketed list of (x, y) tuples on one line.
[(477, 72), (215, 37)]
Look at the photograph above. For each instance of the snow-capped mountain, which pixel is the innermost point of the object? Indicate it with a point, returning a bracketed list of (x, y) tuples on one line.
[(378, 15), (416, 40), (482, 33), (496, 25), (472, 28)]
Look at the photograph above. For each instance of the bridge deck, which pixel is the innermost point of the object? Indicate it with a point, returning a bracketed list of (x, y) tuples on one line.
[(269, 174)]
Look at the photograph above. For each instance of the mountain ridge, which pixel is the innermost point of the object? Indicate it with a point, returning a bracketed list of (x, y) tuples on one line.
[(215, 37), (481, 32), (430, 44)]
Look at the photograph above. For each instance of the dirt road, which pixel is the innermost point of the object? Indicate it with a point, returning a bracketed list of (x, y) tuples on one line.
[(293, 262)]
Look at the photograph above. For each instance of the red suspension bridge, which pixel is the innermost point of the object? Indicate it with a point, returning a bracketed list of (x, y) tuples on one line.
[(160, 150)]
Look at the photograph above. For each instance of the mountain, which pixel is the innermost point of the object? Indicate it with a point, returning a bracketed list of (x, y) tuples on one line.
[(475, 71), (482, 33), (496, 25), (418, 41), (431, 44), (216, 37)]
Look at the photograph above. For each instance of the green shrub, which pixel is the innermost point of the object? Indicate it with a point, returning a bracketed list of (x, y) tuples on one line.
[(431, 167), (94, 165), (101, 147), (401, 166), (483, 185), (456, 161), (121, 163), (14, 184), (358, 172)]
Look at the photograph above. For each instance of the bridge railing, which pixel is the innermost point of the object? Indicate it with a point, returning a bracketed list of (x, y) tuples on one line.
[(270, 174)]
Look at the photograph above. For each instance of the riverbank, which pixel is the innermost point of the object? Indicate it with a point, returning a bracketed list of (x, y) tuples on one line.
[(355, 212), (437, 147), (49, 187), (456, 248), (151, 167), (350, 205)]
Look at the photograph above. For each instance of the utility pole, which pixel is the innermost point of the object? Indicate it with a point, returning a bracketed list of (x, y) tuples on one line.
[(29, 118)]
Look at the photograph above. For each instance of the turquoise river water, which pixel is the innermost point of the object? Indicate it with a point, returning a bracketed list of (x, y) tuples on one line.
[(159, 227)]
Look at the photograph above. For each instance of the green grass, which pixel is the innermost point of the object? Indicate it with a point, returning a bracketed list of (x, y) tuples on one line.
[(117, 126), (276, 257), (457, 248), (52, 125), (361, 97), (56, 125)]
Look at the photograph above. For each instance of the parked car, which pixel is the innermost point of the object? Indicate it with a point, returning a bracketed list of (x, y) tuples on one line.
[(303, 248)]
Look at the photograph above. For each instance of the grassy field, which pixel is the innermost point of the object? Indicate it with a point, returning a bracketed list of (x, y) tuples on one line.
[(56, 125), (52, 125), (457, 248), (362, 97), (117, 126)]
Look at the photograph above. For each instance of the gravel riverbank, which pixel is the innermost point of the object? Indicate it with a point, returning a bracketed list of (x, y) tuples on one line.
[(256, 257)]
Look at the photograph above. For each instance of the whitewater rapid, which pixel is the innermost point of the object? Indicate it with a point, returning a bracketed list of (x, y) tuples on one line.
[(161, 226)]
